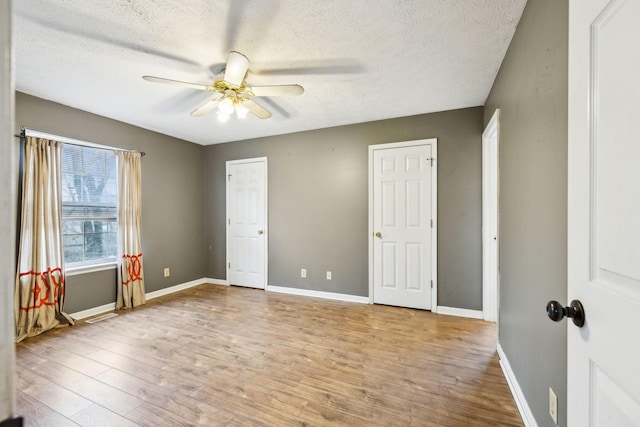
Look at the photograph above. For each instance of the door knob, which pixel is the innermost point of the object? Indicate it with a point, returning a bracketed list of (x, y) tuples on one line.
[(557, 312), (378, 235), (260, 231)]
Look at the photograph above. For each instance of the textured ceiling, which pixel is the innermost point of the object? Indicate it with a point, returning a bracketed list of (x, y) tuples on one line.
[(358, 60)]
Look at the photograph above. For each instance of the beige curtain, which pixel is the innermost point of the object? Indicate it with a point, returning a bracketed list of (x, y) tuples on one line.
[(131, 291), (39, 290)]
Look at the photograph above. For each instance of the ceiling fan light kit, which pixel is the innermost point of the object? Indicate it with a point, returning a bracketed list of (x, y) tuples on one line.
[(232, 93), (241, 111), (226, 106)]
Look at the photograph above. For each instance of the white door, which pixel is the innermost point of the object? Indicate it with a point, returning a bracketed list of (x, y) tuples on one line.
[(604, 212), (403, 223), (490, 219), (246, 222)]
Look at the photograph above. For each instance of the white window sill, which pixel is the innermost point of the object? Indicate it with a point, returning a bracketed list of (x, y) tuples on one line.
[(73, 271)]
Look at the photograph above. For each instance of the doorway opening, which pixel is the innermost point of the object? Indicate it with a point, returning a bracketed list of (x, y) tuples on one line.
[(490, 237)]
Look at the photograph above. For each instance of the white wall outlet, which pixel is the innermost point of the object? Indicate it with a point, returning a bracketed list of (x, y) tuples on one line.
[(328, 275), (303, 273), (553, 405), (167, 272)]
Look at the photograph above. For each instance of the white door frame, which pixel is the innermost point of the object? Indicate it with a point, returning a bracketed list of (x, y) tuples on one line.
[(490, 217), (434, 214), (8, 198), (266, 214)]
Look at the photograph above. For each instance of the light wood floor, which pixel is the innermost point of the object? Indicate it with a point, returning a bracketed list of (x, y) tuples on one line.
[(215, 355)]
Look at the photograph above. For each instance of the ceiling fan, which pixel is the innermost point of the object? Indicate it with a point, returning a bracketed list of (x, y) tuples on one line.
[(231, 92)]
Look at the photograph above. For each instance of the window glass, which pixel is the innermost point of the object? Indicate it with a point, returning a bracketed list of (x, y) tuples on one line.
[(89, 205)]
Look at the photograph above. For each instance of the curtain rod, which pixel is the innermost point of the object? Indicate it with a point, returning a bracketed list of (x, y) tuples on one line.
[(31, 132)]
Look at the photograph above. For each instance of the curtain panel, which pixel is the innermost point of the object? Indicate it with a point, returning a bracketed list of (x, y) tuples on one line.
[(130, 291), (40, 280)]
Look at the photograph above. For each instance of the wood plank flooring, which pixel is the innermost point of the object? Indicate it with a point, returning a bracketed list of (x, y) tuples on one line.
[(215, 355)]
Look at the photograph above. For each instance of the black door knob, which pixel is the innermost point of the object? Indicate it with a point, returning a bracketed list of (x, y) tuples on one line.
[(557, 312)]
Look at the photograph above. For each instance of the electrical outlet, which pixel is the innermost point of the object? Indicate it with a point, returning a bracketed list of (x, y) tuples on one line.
[(167, 272), (303, 273), (553, 405), (328, 275)]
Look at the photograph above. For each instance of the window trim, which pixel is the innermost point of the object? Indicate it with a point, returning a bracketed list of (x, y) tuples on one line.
[(91, 267)]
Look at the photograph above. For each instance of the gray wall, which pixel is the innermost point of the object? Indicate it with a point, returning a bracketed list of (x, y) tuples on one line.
[(318, 203), (172, 197), (531, 92)]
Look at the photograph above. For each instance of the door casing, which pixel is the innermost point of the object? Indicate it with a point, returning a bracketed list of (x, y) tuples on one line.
[(490, 217), (8, 202)]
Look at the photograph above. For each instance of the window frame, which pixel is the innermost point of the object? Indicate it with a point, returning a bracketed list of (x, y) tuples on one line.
[(105, 262)]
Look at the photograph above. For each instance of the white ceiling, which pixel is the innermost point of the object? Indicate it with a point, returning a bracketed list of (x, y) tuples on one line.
[(358, 60)]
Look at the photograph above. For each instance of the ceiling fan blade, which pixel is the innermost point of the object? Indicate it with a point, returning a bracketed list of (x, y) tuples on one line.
[(237, 66), (175, 82), (256, 109), (206, 107), (277, 90)]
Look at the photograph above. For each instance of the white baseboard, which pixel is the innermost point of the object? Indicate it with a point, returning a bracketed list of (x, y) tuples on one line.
[(318, 294), (150, 295), (79, 315), (175, 288), (516, 391), (460, 312), (216, 281)]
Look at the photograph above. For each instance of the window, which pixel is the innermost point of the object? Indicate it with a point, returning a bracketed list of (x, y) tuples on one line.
[(89, 206)]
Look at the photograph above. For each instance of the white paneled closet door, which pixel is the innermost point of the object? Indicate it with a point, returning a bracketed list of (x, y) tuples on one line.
[(403, 228), (247, 223)]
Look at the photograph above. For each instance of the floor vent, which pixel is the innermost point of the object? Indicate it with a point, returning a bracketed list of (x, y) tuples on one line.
[(101, 318)]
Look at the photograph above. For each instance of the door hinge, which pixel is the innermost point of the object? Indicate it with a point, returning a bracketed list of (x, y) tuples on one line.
[(229, 221), (431, 159), (431, 223), (229, 177), (229, 266), (432, 284)]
